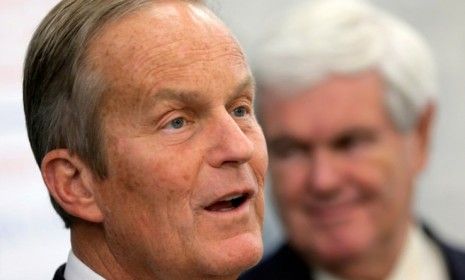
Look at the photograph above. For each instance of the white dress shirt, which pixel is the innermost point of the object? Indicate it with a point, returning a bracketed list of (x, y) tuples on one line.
[(421, 259), (76, 270)]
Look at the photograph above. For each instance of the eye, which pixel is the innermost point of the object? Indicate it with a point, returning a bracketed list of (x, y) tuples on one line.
[(177, 123), (240, 111), (347, 142), (284, 148), (354, 140)]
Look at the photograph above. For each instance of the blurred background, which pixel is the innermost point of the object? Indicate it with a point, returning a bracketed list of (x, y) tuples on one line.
[(33, 241)]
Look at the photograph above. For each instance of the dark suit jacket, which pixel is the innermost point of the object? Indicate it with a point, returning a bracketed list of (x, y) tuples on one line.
[(60, 273), (286, 264)]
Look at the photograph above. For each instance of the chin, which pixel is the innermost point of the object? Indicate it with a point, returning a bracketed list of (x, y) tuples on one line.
[(340, 249), (337, 253), (331, 245), (235, 255)]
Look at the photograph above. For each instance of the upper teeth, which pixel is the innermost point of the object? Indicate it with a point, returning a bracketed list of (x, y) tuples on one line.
[(232, 197)]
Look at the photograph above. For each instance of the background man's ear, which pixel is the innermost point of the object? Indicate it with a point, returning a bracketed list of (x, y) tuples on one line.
[(423, 132), (71, 183)]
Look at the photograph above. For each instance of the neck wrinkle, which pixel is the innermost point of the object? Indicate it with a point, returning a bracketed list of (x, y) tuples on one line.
[(90, 246)]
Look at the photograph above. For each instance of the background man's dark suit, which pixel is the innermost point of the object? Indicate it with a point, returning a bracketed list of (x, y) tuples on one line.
[(287, 264)]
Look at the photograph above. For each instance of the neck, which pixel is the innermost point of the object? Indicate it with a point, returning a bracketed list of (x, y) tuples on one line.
[(377, 264), (90, 245)]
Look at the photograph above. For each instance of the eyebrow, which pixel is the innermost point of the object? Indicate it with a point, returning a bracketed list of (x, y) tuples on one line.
[(195, 97), (363, 132), (183, 96), (278, 141), (241, 87)]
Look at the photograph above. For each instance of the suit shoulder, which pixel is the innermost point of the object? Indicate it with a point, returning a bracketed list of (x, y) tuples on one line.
[(60, 273), (453, 256), (285, 263), (455, 261)]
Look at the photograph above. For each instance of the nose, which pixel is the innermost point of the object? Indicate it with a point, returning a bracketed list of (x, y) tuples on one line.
[(229, 144), (325, 175)]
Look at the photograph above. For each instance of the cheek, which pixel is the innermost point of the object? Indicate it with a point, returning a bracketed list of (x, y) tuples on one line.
[(155, 207), (260, 158), (153, 165), (289, 181), (130, 162), (381, 181), (260, 206), (374, 173), (148, 179)]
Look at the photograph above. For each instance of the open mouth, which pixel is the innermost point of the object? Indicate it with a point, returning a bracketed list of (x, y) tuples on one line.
[(228, 203)]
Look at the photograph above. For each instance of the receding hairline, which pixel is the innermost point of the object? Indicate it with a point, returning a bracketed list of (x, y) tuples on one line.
[(99, 46)]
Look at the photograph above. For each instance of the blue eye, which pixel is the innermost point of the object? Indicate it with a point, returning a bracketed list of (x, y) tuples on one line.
[(240, 111), (177, 123)]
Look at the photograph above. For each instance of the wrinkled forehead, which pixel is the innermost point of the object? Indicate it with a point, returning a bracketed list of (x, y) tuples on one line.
[(161, 33), (332, 105), (342, 86), (166, 40)]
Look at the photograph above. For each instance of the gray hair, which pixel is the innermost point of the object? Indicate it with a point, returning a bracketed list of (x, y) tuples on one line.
[(324, 37), (61, 94)]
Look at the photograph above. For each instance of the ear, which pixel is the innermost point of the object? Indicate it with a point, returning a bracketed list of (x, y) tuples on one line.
[(423, 135), (71, 183)]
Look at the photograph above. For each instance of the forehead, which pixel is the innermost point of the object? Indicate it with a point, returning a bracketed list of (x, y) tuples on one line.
[(336, 104), (167, 44)]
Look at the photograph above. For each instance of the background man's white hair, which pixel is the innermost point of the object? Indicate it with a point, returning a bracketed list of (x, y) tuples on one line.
[(324, 37)]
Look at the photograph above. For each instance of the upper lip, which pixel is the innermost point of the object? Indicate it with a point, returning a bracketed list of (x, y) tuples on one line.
[(317, 205)]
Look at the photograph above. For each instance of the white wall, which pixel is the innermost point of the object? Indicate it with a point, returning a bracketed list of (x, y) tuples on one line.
[(33, 241)]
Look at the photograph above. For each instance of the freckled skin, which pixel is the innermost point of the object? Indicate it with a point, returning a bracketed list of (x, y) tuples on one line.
[(160, 177), (364, 190)]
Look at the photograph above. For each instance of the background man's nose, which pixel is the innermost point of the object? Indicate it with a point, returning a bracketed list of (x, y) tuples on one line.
[(325, 172)]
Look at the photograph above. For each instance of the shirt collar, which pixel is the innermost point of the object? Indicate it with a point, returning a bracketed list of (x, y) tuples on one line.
[(76, 270), (420, 259)]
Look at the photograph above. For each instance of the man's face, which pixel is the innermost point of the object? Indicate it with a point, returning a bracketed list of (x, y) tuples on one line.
[(342, 173), (186, 157)]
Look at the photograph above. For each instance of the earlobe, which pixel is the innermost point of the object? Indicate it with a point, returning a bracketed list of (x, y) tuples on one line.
[(71, 184)]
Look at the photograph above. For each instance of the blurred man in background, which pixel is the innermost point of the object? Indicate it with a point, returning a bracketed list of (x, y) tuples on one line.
[(347, 101), (140, 116)]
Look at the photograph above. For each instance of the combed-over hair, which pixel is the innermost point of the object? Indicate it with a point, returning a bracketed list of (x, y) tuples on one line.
[(323, 37)]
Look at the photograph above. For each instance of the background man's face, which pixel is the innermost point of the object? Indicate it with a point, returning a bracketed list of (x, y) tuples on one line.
[(186, 157), (342, 173)]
